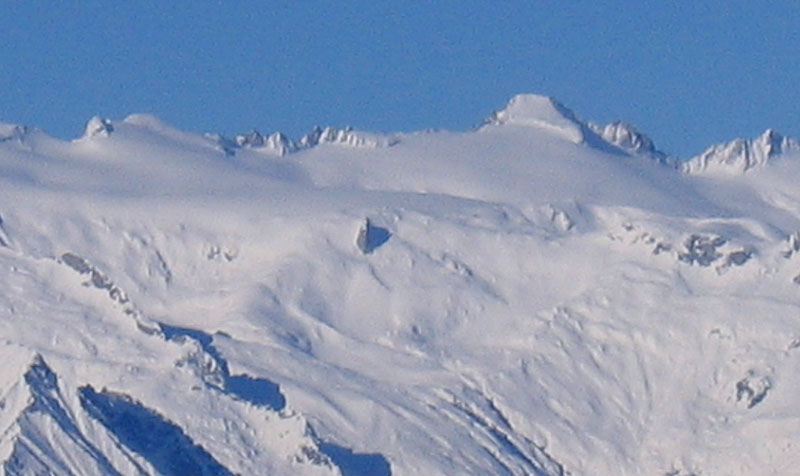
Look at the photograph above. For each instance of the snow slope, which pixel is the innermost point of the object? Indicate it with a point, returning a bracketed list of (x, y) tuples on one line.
[(533, 297)]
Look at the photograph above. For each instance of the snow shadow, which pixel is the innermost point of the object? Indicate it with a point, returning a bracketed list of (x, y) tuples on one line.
[(256, 390), (47, 399), (376, 237), (356, 464), (162, 443)]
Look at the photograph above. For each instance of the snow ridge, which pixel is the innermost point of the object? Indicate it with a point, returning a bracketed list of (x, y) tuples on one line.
[(276, 142), (279, 144), (742, 155), (628, 138)]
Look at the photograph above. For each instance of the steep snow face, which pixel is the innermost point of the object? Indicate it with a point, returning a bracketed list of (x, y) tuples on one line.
[(519, 299), (741, 155)]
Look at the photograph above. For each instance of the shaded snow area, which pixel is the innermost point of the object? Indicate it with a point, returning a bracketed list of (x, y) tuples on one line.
[(539, 296)]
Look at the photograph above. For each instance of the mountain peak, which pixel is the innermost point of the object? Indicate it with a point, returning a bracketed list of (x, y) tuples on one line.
[(628, 138), (741, 155), (98, 127), (534, 110), (276, 142), (774, 143), (527, 108), (347, 137), (11, 131)]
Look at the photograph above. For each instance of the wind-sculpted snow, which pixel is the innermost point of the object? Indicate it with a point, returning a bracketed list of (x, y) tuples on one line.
[(534, 297)]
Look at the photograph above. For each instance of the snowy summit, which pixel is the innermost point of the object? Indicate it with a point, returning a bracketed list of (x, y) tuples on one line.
[(538, 296), (540, 111)]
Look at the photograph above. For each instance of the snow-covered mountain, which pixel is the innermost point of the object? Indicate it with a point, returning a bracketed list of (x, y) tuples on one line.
[(537, 296), (741, 155)]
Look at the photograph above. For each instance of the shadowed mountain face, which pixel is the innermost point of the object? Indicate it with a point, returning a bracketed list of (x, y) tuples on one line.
[(353, 464), (539, 295), (162, 443), (45, 428)]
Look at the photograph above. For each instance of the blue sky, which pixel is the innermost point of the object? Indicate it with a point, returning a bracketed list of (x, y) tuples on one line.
[(688, 73)]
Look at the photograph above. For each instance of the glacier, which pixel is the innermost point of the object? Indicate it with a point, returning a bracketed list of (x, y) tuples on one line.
[(540, 295)]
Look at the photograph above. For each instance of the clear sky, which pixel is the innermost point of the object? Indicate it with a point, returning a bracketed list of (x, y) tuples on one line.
[(688, 73)]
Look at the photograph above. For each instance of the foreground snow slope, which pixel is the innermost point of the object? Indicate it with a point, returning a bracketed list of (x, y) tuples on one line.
[(535, 296)]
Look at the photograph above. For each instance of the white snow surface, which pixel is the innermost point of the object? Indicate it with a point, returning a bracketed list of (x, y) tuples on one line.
[(528, 298)]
